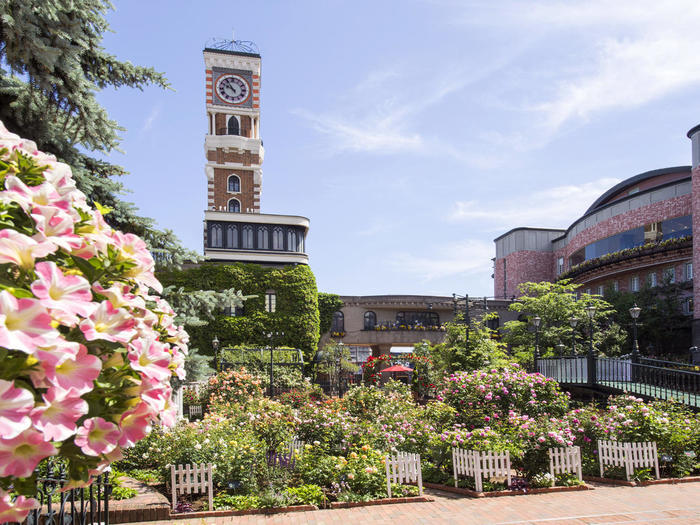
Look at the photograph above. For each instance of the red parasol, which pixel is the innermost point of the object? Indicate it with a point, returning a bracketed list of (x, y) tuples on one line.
[(397, 368)]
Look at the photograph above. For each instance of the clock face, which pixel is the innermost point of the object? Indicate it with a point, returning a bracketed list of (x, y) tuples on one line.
[(232, 89)]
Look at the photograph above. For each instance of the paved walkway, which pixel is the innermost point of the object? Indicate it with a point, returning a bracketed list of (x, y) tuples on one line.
[(656, 504)]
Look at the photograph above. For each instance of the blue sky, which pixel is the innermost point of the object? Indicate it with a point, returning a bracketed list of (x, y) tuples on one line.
[(414, 132)]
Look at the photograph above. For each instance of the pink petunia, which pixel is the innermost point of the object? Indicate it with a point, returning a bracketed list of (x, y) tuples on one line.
[(135, 425), (150, 357), (66, 296), (15, 406), (97, 436), (17, 248), (17, 510), (77, 372), (110, 324), (56, 226), (33, 197), (24, 323), (20, 455), (57, 417)]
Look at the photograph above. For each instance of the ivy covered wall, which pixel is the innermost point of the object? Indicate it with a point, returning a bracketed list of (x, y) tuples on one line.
[(296, 313)]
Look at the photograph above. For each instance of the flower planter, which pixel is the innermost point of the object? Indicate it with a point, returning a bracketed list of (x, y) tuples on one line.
[(474, 494)]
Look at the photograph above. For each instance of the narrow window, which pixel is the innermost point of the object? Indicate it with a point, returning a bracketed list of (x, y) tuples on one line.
[(234, 206), (270, 301), (338, 324), (231, 236), (651, 280), (300, 243), (688, 271), (247, 237), (634, 284), (277, 238), (688, 306), (669, 275), (370, 321), (216, 236), (234, 184), (616, 286), (560, 265), (263, 238), (601, 290), (291, 240), (234, 127)]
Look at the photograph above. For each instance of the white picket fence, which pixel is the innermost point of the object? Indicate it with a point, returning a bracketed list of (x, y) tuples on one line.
[(628, 455), (194, 411), (296, 446), (564, 460), (191, 479), (480, 465), (404, 467)]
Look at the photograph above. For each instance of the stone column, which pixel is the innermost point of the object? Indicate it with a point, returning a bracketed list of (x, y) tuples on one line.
[(694, 136)]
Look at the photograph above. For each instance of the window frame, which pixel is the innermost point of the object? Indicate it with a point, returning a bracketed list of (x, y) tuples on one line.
[(233, 200), (231, 177)]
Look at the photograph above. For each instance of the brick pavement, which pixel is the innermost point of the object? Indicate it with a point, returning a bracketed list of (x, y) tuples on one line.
[(656, 504)]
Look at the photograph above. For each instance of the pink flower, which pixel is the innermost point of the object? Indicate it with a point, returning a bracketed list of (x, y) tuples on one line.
[(57, 417), (66, 296), (24, 323), (56, 226), (15, 406), (17, 248), (20, 455), (109, 323), (150, 357), (135, 425), (17, 510), (77, 372), (31, 197), (97, 436)]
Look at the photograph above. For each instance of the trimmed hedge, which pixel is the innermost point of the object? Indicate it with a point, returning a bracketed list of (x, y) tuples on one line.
[(297, 313)]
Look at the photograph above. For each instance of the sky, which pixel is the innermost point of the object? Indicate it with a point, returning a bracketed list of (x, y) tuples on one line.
[(413, 132)]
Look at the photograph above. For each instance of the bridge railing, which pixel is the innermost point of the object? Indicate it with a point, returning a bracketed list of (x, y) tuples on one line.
[(567, 370)]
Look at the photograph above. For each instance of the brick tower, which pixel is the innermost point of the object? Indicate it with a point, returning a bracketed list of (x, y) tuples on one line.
[(235, 229)]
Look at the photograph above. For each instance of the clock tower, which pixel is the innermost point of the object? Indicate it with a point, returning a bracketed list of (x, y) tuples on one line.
[(235, 228)]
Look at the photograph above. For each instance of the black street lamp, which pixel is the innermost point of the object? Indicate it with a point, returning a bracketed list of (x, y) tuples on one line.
[(634, 312), (536, 321), (573, 322), (215, 345), (590, 311)]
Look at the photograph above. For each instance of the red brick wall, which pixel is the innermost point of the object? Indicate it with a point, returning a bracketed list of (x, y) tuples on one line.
[(696, 251), (521, 267), (220, 156), (247, 195)]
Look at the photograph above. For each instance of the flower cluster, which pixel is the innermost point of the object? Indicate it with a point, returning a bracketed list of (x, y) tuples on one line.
[(87, 350)]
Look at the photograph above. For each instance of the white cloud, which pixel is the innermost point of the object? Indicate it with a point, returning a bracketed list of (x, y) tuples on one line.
[(151, 119), (469, 257), (555, 207)]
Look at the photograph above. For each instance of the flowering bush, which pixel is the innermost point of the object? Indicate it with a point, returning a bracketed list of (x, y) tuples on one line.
[(232, 387), (482, 398), (87, 351)]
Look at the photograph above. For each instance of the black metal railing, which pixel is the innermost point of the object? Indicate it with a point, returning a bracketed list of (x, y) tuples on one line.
[(80, 506), (646, 377)]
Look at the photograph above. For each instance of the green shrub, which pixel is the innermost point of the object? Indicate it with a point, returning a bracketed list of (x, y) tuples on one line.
[(308, 495), (224, 501)]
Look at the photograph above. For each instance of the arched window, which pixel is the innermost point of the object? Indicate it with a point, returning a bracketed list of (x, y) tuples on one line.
[(263, 238), (270, 301), (234, 127), (247, 237), (291, 240), (277, 238), (234, 184), (234, 206), (370, 321), (338, 324), (215, 236), (231, 236)]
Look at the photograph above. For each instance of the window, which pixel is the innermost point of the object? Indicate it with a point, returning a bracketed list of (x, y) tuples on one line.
[(601, 290), (216, 239), (247, 237), (270, 301), (587, 291), (277, 238), (634, 284), (234, 311), (669, 275), (616, 286), (688, 271), (263, 238), (291, 240), (370, 321), (300, 242), (234, 206), (688, 306), (338, 324), (651, 280), (234, 128), (234, 184), (560, 265), (418, 318), (231, 236), (493, 323)]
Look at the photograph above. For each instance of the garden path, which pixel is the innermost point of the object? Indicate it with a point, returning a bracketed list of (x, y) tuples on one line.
[(662, 504)]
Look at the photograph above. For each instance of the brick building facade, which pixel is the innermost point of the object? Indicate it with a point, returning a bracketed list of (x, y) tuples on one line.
[(234, 227), (640, 232)]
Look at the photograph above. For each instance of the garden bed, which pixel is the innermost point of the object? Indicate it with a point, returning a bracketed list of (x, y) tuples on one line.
[(221, 513), (610, 481), (495, 494), (669, 481)]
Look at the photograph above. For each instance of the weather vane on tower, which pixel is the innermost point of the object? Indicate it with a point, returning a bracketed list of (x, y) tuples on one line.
[(243, 46)]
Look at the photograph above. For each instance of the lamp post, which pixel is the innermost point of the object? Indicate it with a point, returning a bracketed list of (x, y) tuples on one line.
[(536, 321), (215, 345), (590, 311), (573, 321), (271, 337), (560, 349), (634, 312)]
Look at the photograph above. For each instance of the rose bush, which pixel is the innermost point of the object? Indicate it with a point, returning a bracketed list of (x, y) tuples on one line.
[(87, 349)]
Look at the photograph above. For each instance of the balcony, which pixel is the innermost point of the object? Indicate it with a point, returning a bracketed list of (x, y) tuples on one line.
[(235, 142)]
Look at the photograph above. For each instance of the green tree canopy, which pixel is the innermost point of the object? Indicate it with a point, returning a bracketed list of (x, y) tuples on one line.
[(555, 304)]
